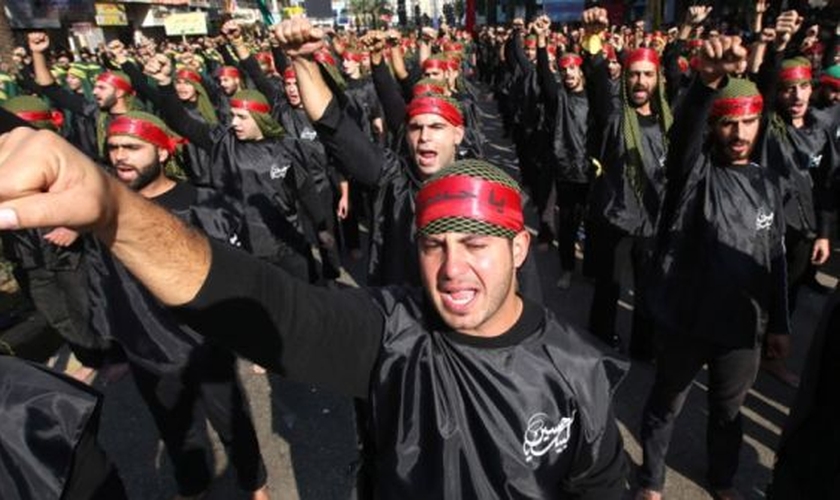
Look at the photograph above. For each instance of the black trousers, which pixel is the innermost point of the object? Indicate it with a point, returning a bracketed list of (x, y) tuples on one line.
[(614, 250), (798, 248), (732, 372), (179, 403), (571, 208)]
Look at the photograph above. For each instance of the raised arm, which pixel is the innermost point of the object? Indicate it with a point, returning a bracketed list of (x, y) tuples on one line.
[(39, 43), (342, 137), (173, 111), (545, 78), (313, 335)]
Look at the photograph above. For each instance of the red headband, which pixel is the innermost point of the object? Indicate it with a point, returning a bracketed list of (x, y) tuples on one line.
[(289, 74), (795, 73), (116, 81), (54, 117), (229, 71), (435, 106), (353, 56), (144, 130), (255, 106), (324, 57), (530, 42), (427, 88), (264, 57), (436, 64), (830, 81), (186, 74), (569, 60), (643, 54), (472, 198), (737, 106)]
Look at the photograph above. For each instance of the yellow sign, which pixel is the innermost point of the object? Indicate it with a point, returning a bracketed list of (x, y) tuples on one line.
[(292, 12), (108, 14), (185, 23)]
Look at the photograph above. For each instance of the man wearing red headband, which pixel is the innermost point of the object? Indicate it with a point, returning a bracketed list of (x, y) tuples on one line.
[(802, 147), (719, 283), (434, 128), (112, 93), (461, 375), (571, 170), (626, 193), (252, 161)]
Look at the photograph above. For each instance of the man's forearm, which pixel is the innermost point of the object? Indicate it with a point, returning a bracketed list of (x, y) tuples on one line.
[(170, 258), (314, 91)]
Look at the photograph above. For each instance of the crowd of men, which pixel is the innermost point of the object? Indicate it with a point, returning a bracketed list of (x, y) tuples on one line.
[(167, 214)]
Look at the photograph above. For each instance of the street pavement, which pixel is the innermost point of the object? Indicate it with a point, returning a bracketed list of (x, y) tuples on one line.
[(307, 435)]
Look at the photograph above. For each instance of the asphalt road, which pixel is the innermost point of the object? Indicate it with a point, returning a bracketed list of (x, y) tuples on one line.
[(307, 435)]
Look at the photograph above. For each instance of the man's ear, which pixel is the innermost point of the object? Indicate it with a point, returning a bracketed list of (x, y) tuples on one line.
[(459, 135), (521, 242), (163, 155)]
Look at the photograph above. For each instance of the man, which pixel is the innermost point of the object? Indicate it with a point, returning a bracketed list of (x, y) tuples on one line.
[(253, 162), (626, 196), (568, 104), (181, 377), (112, 96), (720, 287), (802, 148), (468, 378)]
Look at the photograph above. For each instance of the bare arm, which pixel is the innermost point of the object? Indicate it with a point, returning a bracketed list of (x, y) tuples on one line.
[(61, 187)]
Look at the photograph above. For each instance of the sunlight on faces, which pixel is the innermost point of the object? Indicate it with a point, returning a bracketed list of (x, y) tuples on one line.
[(351, 68), (433, 142), (735, 137), (229, 84), (292, 92), (136, 163), (471, 279), (185, 91), (572, 78), (244, 125), (641, 80), (74, 83), (106, 95), (794, 98)]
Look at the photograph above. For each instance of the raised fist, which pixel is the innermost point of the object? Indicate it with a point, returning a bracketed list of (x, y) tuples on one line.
[(542, 26), (787, 24), (696, 14), (298, 38), (39, 42), (428, 34), (721, 56), (160, 69), (116, 50), (595, 20)]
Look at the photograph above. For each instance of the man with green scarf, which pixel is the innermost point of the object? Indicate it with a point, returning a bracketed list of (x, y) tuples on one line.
[(626, 194), (720, 280), (252, 161), (112, 96), (188, 379)]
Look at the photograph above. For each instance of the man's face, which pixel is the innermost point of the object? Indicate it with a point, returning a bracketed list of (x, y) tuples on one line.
[(18, 55), (794, 98), (244, 126), (63, 62), (830, 95), (229, 84), (105, 95), (186, 92), (351, 68), (614, 68), (470, 279), (136, 163), (531, 52), (641, 82), (435, 73), (433, 142), (74, 83), (572, 78), (735, 137), (292, 92)]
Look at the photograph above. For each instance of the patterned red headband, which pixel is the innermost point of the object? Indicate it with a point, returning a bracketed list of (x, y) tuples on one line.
[(470, 198)]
